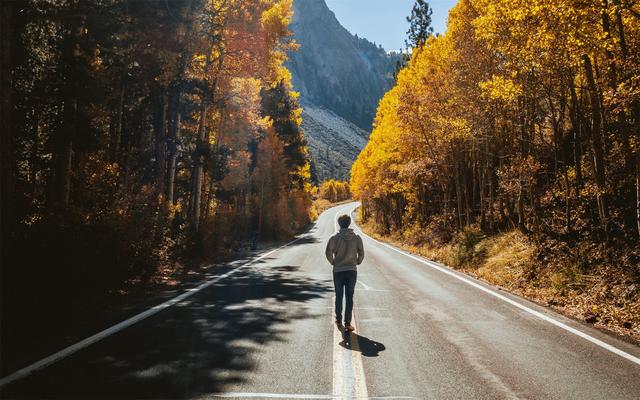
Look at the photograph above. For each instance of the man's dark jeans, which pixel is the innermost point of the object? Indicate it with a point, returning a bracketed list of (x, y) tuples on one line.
[(344, 283)]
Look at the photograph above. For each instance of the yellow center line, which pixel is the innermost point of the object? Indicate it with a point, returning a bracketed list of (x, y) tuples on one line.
[(349, 381), (339, 387), (360, 383)]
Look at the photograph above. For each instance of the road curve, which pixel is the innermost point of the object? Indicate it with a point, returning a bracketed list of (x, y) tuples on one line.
[(265, 331)]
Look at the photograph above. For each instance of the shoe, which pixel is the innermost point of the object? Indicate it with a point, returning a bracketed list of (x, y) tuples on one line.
[(339, 323), (349, 327)]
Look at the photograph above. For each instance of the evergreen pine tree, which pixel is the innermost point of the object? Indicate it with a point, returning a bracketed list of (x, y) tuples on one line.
[(419, 24)]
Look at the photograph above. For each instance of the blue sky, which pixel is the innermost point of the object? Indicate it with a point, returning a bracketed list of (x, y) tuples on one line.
[(384, 21)]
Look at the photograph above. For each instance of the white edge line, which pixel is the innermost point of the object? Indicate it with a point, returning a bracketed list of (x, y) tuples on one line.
[(271, 395), (514, 303), (67, 351), (297, 396)]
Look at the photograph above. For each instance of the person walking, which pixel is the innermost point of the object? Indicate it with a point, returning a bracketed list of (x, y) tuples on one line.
[(345, 252)]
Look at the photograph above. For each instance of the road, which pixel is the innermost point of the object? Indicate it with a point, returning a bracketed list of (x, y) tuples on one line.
[(264, 330)]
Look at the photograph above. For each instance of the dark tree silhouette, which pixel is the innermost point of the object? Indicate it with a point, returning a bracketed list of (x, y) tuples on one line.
[(420, 24)]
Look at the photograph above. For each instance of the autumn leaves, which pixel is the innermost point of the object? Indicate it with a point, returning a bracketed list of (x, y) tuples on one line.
[(171, 124), (524, 114)]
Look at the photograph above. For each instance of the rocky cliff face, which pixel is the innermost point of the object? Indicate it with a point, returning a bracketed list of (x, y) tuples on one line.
[(341, 78)]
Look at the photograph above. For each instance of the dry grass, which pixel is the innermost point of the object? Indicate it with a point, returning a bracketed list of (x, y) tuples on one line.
[(508, 257)]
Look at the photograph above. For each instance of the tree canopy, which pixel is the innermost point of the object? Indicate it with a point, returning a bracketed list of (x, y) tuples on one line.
[(524, 114), (145, 131)]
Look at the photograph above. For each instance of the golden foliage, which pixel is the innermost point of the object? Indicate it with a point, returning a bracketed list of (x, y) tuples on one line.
[(523, 117), (481, 113), (334, 191)]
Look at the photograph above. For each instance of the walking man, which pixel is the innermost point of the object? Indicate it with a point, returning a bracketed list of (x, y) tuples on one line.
[(345, 252)]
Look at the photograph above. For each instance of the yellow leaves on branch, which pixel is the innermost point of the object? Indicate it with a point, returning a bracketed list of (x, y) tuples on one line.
[(276, 19), (199, 62), (501, 89), (275, 22), (460, 86)]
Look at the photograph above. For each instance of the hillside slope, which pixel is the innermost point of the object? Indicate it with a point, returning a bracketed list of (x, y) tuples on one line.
[(334, 142), (340, 76)]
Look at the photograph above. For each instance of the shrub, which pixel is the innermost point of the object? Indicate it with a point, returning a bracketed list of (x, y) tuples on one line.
[(465, 251)]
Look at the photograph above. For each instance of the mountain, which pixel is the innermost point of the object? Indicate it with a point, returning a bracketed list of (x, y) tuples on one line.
[(341, 78), (334, 142)]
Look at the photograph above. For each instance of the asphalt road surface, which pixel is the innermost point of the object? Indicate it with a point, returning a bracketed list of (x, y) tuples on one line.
[(265, 330)]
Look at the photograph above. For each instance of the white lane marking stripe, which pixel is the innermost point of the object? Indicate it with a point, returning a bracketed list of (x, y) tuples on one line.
[(338, 364), (535, 313), (364, 285), (26, 371)]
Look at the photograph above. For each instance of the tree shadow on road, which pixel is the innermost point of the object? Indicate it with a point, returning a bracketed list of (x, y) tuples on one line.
[(195, 348), (366, 346), (304, 240)]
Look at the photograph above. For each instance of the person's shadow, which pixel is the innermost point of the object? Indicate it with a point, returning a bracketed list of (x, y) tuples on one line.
[(366, 346)]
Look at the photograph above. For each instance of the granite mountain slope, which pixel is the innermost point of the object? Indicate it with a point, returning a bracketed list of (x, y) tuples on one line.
[(341, 78)]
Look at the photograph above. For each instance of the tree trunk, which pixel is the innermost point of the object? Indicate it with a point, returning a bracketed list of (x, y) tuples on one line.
[(160, 135), (117, 128), (481, 185), (567, 210), (33, 171), (577, 151), (466, 188), (638, 176), (63, 139), (636, 113), (606, 28), (597, 145), (63, 155), (261, 208), (612, 73), (523, 154), (635, 108), (7, 186), (199, 165), (458, 191), (173, 156), (490, 176), (208, 93)]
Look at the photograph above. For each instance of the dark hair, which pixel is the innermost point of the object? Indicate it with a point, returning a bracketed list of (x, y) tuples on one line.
[(344, 221)]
